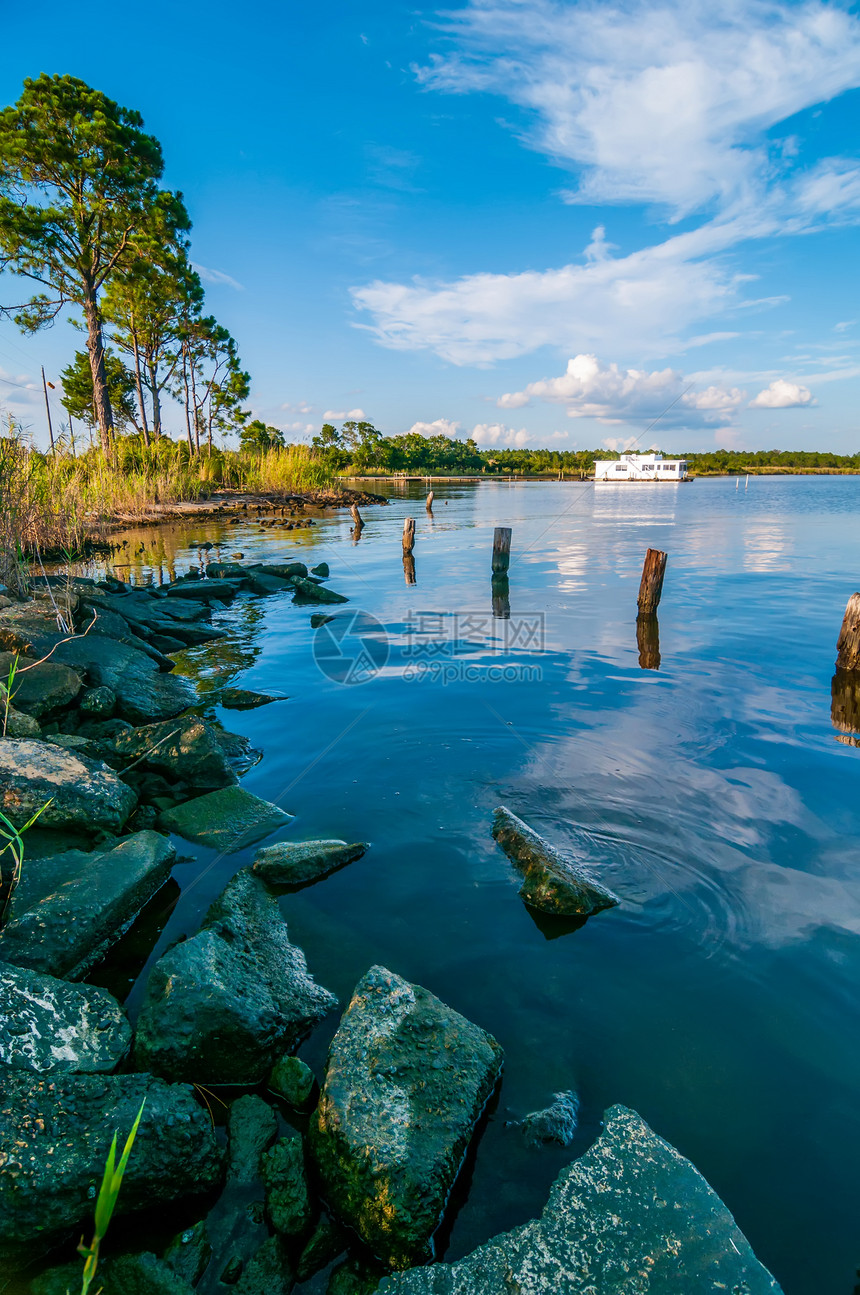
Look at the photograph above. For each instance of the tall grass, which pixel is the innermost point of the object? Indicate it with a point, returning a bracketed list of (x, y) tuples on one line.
[(61, 503)]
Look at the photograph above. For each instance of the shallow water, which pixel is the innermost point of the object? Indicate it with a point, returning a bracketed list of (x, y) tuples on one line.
[(720, 999)]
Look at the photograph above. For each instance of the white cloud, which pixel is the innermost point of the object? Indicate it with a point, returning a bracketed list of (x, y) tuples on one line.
[(499, 434), (589, 389), (665, 102), (782, 395), (439, 427), (338, 415), (844, 325), (216, 276), (301, 408)]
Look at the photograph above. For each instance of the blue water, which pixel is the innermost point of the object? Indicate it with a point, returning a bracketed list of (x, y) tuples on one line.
[(715, 794)]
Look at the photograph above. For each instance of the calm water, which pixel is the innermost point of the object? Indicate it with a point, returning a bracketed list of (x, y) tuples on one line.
[(720, 999)]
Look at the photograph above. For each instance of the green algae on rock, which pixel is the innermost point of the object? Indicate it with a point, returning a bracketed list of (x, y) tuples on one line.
[(228, 819), (406, 1080), (553, 882), (292, 863)]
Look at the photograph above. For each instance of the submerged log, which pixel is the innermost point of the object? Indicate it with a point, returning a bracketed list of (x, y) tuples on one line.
[(501, 550), (651, 585), (553, 882), (848, 643), (408, 534)]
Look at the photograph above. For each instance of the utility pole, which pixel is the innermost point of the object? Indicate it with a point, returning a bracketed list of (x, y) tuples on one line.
[(45, 385)]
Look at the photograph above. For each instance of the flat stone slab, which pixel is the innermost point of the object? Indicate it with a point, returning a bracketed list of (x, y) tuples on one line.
[(630, 1217), (309, 592), (294, 863), (227, 820), (223, 1006), (40, 687), (48, 1024), (83, 793), (246, 699), (69, 908), (205, 590), (144, 693), (406, 1080), (553, 882), (55, 1133)]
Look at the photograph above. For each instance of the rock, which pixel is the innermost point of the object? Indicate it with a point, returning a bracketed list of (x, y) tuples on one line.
[(222, 1006), (189, 1252), (556, 1123), (55, 1132), (144, 1274), (288, 1203), (20, 725), (228, 820), (144, 694), (260, 582), (631, 1215), (60, 1280), (226, 570), (406, 1080), (292, 863), (252, 1127), (319, 618), (292, 1080), (69, 908), (554, 882), (325, 1243), (98, 703), (48, 1024), (205, 590), (308, 592), (157, 620), (245, 699), (284, 570), (30, 628), (184, 749), (82, 792), (268, 1273), (40, 687), (102, 623), (353, 1277), (240, 754), (321, 570)]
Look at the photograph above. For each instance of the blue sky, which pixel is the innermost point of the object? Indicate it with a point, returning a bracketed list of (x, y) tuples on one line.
[(534, 222)]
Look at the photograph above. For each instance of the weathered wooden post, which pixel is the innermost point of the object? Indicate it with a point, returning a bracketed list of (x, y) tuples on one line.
[(651, 585), (429, 504), (501, 550), (648, 642), (845, 706), (356, 517), (408, 534), (501, 598), (409, 568), (848, 643)]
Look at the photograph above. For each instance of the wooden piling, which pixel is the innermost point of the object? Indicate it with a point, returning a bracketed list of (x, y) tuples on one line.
[(848, 643), (845, 706), (409, 568), (651, 585), (356, 516), (501, 550), (408, 534), (648, 642), (429, 504), (501, 598)]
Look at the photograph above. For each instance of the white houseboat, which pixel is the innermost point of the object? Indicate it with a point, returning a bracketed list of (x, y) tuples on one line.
[(641, 467)]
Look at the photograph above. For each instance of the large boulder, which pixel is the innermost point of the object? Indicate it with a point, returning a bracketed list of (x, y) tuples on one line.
[(144, 693), (156, 620), (69, 908), (48, 1024), (204, 590), (630, 1217), (40, 688), (308, 592), (224, 1005), (32, 628), (55, 1133), (406, 1080), (294, 863), (182, 750), (83, 793), (553, 882), (228, 819)]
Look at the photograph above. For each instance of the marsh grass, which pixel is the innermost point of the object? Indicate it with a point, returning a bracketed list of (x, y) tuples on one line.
[(13, 836), (106, 1203), (62, 505)]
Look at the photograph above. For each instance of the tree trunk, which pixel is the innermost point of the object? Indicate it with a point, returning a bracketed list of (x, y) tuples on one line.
[(139, 382), (156, 398), (195, 408), (187, 400), (96, 349)]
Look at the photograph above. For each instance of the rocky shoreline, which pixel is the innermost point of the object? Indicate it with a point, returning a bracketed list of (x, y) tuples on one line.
[(346, 1174)]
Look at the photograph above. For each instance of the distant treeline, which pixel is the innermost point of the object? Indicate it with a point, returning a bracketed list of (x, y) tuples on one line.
[(360, 449)]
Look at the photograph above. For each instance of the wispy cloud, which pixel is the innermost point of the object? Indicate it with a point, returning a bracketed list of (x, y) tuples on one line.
[(216, 277), (338, 415), (439, 427)]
